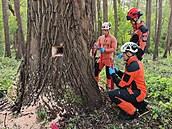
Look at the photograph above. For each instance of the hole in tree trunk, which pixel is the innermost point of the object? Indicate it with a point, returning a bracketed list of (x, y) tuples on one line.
[(57, 51)]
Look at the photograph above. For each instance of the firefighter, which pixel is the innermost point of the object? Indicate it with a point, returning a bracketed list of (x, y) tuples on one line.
[(132, 88), (107, 45), (139, 33)]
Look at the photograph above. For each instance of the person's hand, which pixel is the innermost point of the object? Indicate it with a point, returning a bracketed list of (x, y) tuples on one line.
[(111, 71), (96, 47), (120, 56), (102, 49), (116, 69)]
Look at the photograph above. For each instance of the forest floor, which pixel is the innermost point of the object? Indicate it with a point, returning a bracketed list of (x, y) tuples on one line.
[(26, 119), (104, 118)]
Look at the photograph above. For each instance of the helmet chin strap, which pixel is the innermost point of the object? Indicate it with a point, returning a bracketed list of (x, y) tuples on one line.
[(129, 56)]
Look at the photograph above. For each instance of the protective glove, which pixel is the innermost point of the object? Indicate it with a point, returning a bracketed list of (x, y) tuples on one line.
[(102, 50), (120, 56), (116, 69), (111, 71)]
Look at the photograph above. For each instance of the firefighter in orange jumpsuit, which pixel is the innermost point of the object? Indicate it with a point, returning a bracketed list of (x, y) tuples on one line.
[(107, 45), (132, 88), (140, 31)]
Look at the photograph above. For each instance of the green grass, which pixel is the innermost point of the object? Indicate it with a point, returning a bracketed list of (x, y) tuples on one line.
[(8, 71)]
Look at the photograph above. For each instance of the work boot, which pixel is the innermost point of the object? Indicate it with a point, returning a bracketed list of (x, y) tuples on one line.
[(142, 107), (125, 116), (1, 94)]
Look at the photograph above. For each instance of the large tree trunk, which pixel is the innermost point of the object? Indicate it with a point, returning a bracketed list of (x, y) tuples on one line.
[(20, 42), (105, 10), (6, 28), (116, 19), (99, 18), (148, 22), (169, 30), (158, 34), (67, 25)]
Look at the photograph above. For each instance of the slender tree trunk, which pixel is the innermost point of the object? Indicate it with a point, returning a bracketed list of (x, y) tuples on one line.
[(148, 22), (158, 35), (68, 25), (105, 10), (137, 3), (116, 18), (16, 44), (21, 42), (99, 17), (119, 2), (156, 20), (94, 23), (6, 28), (169, 30)]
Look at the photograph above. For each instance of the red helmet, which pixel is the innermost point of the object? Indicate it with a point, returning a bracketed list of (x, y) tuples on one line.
[(134, 13)]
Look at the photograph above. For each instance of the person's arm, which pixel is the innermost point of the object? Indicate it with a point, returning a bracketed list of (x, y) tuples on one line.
[(116, 80), (144, 37), (129, 74), (120, 73)]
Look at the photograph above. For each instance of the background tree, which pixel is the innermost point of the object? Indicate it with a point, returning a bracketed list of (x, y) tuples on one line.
[(6, 27), (99, 17), (169, 30), (116, 18), (156, 19), (19, 33), (68, 26), (158, 34), (105, 10), (148, 22)]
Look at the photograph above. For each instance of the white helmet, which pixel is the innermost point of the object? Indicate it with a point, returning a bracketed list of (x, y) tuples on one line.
[(130, 47), (106, 26)]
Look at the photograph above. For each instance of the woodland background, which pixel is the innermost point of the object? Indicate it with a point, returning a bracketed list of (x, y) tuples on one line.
[(29, 29)]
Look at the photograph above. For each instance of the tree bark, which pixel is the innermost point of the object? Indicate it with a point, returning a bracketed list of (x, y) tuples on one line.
[(158, 34), (68, 24), (169, 30), (99, 18), (6, 28), (105, 10), (156, 20), (20, 34), (116, 19), (148, 22)]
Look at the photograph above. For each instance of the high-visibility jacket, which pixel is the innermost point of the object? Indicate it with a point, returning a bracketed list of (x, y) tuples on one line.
[(140, 35), (132, 78)]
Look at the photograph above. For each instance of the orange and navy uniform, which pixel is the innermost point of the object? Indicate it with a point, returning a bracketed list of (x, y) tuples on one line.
[(132, 88), (106, 58), (139, 36)]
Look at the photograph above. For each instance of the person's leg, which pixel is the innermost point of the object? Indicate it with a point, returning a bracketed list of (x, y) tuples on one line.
[(123, 99), (98, 68), (108, 77), (108, 64), (141, 106)]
